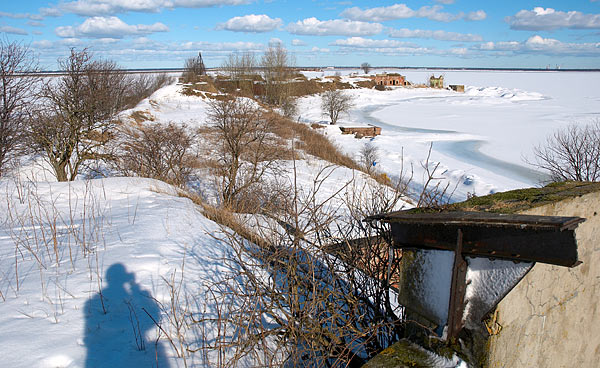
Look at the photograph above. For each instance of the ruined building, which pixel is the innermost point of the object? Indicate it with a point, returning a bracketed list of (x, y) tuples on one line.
[(393, 79)]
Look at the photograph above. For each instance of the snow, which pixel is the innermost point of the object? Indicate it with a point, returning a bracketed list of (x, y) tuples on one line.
[(488, 281), (136, 232), (65, 242), (481, 137)]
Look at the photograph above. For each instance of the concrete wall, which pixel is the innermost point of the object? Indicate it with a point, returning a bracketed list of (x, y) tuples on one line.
[(552, 318)]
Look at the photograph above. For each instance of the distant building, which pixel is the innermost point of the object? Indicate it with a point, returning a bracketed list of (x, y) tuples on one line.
[(393, 79), (457, 87), (436, 82)]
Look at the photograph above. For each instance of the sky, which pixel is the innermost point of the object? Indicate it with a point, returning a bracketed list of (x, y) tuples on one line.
[(436, 33)]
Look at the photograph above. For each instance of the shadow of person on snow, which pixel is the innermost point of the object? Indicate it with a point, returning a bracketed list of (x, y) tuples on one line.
[(117, 321)]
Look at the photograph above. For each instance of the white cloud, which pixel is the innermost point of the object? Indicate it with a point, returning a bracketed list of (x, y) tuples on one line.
[(360, 42), (437, 35), (549, 19), (402, 11), (35, 23), (445, 1), (476, 15), (546, 46), (108, 27), (109, 7), (318, 49), (13, 30), (297, 42), (251, 23), (338, 27), (21, 15)]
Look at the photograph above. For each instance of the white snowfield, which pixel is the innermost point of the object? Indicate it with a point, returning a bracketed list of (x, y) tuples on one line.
[(62, 244), (482, 137)]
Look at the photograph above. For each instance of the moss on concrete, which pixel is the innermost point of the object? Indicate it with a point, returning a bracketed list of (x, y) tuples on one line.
[(519, 200), (401, 355)]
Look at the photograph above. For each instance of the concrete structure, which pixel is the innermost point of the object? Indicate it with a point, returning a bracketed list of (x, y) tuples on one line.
[(393, 79), (457, 87), (360, 132), (552, 318), (436, 82)]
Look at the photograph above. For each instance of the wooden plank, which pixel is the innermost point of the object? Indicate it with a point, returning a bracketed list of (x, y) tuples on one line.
[(482, 218), (458, 289), (527, 245)]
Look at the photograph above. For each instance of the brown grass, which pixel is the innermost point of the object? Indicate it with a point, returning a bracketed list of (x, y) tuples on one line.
[(311, 141), (141, 116)]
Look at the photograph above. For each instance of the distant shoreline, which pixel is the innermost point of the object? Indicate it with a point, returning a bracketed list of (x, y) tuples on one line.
[(316, 68)]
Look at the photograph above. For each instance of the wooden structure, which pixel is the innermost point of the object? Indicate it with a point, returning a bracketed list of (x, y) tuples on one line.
[(457, 87), (519, 238), (392, 79), (360, 132)]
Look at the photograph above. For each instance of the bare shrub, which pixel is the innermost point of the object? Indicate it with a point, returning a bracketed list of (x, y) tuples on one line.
[(142, 86), (240, 65), (335, 102), (571, 154), (79, 113), (17, 94), (303, 297), (243, 147), (366, 67), (193, 69), (162, 152)]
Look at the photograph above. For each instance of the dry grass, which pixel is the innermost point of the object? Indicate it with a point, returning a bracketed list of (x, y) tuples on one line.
[(141, 116), (311, 141)]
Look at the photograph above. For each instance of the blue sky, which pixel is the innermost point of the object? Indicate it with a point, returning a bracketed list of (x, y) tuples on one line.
[(436, 33)]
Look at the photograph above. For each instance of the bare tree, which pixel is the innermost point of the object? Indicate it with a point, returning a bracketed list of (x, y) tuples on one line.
[(240, 65), (79, 113), (366, 67), (193, 69), (157, 151), (572, 153), (276, 63), (17, 93), (335, 102), (243, 147), (369, 154)]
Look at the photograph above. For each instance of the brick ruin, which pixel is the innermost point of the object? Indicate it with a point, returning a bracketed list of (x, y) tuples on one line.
[(393, 79)]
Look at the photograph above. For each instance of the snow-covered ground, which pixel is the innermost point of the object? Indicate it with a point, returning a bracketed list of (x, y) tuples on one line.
[(481, 137), (64, 244)]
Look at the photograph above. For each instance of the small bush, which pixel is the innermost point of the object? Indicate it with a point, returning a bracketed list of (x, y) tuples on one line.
[(157, 151)]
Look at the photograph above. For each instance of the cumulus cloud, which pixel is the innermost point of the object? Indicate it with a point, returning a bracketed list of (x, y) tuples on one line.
[(548, 19), (108, 27), (436, 35), (109, 7), (338, 27), (402, 11), (546, 46), (13, 30), (251, 23)]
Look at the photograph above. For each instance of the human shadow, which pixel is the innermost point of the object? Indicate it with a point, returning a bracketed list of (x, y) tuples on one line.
[(117, 320)]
